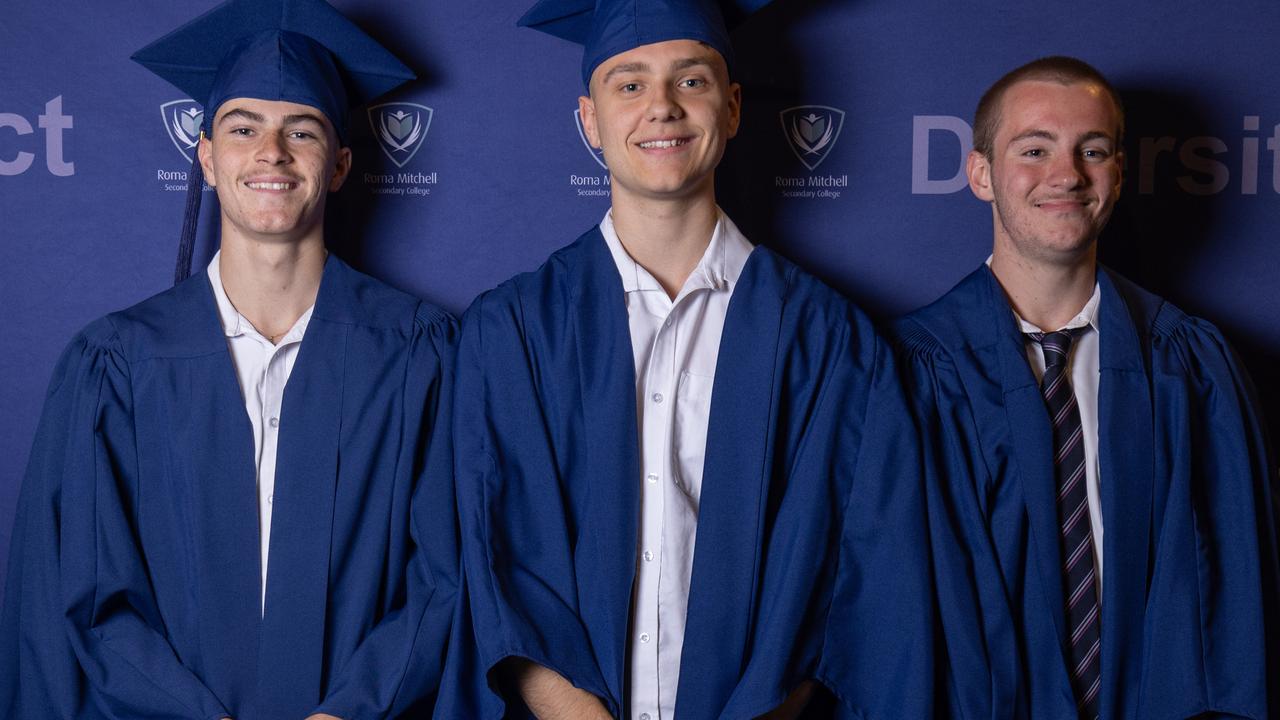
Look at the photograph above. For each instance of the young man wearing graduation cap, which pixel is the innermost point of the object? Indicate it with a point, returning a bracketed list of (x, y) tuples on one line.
[(1106, 455), (239, 502), (664, 430)]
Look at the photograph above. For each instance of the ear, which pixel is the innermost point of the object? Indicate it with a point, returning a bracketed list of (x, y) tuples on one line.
[(204, 151), (342, 168), (735, 108), (587, 110), (978, 168)]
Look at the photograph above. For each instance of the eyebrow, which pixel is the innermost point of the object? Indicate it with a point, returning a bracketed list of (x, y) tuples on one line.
[(690, 62), (1034, 134), (1095, 135), (639, 67), (243, 115), (635, 67), (1046, 135), (303, 118), (254, 117)]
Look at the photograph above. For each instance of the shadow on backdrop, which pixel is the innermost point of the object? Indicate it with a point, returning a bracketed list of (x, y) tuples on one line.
[(351, 211), (1170, 219), (773, 74)]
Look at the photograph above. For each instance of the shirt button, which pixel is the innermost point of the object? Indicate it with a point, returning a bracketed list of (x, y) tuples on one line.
[(274, 422), (644, 637), (657, 397), (651, 477), (648, 555), (644, 716), (271, 499)]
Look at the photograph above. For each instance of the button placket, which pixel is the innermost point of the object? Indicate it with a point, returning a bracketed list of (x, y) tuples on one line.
[(273, 391), (656, 427), (658, 334)]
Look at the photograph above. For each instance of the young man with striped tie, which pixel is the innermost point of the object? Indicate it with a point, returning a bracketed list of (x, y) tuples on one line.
[(1105, 456)]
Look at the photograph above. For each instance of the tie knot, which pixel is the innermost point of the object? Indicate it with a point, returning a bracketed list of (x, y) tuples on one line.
[(1056, 345)]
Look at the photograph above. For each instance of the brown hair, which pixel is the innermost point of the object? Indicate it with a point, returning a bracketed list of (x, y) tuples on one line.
[(1059, 69)]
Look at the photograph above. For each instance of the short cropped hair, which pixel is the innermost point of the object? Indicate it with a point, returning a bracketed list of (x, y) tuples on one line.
[(1057, 69)]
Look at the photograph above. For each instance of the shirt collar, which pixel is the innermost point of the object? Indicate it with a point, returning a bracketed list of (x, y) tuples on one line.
[(1087, 317), (719, 268), (234, 324)]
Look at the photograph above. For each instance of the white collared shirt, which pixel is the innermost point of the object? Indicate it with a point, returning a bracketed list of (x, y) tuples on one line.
[(676, 344), (263, 370), (1085, 363)]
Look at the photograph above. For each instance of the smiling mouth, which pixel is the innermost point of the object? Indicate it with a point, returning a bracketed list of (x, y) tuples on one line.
[(1062, 203), (271, 185), (663, 144)]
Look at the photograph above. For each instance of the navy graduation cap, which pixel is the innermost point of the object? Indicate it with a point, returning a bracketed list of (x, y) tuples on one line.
[(609, 27), (301, 51)]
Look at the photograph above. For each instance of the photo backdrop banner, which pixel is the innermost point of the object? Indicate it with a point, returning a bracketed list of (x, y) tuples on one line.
[(856, 122)]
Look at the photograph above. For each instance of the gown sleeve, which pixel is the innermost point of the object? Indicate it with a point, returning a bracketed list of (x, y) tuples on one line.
[(1214, 449), (81, 592), (39, 674), (398, 666), (980, 667), (795, 620), (881, 653), (516, 545)]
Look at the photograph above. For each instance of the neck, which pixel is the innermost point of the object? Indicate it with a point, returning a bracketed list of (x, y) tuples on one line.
[(666, 237), (271, 284), (1046, 294)]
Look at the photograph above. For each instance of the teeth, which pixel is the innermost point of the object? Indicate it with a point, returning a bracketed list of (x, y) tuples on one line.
[(662, 144), (270, 185)]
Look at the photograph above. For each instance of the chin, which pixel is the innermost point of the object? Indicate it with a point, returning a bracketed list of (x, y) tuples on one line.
[(670, 193), (1067, 253), (281, 230)]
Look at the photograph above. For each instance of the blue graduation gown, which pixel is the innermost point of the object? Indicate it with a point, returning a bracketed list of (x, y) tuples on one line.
[(800, 447), (1189, 607), (134, 583)]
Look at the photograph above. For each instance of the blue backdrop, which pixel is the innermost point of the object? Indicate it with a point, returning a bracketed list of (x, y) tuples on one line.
[(856, 123)]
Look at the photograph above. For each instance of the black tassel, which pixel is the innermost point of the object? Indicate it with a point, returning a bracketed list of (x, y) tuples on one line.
[(190, 219)]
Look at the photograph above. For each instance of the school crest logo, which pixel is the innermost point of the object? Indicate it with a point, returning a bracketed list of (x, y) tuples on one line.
[(182, 120), (400, 129), (596, 153), (812, 131)]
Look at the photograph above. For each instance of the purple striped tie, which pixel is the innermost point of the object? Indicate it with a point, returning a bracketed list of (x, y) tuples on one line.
[(1076, 531)]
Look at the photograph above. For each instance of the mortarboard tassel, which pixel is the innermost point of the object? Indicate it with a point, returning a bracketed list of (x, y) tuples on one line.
[(190, 219)]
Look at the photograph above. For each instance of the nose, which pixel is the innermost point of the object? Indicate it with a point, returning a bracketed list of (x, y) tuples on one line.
[(273, 149), (663, 105), (1066, 171)]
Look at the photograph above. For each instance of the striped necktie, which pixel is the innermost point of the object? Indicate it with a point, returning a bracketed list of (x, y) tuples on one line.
[(1076, 531)]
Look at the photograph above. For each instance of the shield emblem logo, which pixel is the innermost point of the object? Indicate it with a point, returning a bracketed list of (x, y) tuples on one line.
[(400, 129), (812, 131), (182, 120), (596, 153)]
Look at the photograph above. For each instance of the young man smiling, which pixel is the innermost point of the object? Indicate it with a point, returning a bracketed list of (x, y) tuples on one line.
[(239, 502), (278, 162), (668, 431), (1106, 459)]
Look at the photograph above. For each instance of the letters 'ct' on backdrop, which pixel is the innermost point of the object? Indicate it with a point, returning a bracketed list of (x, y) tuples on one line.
[(849, 161)]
